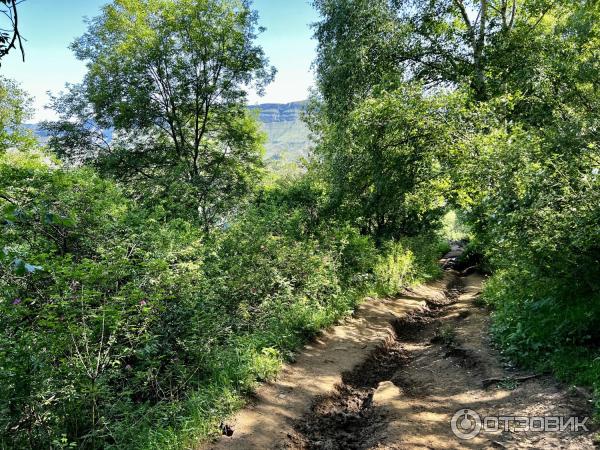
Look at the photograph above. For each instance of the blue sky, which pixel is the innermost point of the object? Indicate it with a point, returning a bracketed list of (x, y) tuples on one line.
[(50, 26)]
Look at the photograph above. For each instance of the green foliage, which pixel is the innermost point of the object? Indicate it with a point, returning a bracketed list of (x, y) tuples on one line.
[(97, 326), (545, 324), (408, 261), (121, 329), (124, 324), (488, 47), (15, 110), (170, 78), (518, 138), (357, 53), (526, 169), (445, 335), (453, 227), (384, 163)]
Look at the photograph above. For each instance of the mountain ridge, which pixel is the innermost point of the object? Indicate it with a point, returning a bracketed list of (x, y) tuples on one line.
[(287, 134), (279, 112)]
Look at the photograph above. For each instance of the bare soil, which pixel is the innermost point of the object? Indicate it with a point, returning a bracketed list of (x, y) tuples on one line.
[(392, 377)]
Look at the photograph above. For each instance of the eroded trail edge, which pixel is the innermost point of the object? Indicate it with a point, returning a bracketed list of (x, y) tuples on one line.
[(392, 377)]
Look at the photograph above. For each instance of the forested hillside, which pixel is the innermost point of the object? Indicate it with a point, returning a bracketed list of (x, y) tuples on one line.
[(150, 280)]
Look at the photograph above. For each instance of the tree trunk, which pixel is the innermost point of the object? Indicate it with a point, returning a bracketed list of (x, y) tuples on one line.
[(479, 83)]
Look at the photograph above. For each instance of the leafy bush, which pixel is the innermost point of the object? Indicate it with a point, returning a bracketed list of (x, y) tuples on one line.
[(453, 227), (408, 261), (533, 208), (383, 163), (122, 329), (546, 324), (104, 316)]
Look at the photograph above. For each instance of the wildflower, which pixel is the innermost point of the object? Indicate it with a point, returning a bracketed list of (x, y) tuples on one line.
[(143, 303), (16, 301)]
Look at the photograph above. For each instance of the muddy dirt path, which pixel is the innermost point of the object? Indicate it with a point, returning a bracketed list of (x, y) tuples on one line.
[(394, 375)]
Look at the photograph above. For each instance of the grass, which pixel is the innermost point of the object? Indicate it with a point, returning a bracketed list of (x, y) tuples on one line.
[(509, 384), (546, 326), (446, 335)]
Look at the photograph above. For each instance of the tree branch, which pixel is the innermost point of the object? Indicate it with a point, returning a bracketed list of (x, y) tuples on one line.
[(8, 199), (466, 20), (16, 36)]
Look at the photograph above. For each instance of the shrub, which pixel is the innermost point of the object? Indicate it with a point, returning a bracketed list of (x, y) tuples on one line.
[(122, 329), (545, 324), (98, 305), (407, 261)]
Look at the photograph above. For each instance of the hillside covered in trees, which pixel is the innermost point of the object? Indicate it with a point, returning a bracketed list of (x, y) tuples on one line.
[(149, 281)]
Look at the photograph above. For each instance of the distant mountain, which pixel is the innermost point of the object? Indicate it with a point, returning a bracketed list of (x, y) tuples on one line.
[(279, 112), (287, 134)]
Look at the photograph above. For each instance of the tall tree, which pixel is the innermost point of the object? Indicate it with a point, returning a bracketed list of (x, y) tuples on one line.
[(379, 136), (357, 51), (170, 77), (481, 43), (384, 168)]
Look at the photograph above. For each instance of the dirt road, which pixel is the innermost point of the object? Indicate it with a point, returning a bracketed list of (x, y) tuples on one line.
[(394, 375)]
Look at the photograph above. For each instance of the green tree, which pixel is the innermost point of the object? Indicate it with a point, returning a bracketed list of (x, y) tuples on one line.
[(483, 44), (385, 167), (479, 43), (538, 139), (170, 78), (526, 176), (380, 137), (15, 110), (357, 52)]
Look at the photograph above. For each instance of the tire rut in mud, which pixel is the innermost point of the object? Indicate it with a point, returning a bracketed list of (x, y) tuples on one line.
[(347, 419)]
